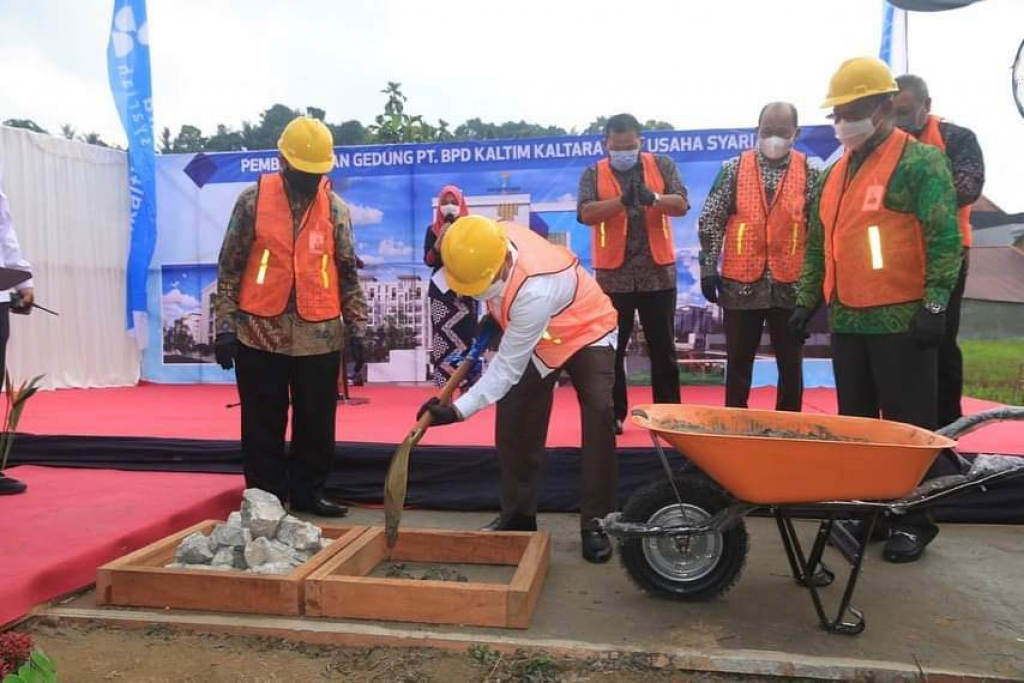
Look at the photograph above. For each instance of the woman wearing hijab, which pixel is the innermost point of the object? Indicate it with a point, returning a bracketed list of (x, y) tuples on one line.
[(452, 317)]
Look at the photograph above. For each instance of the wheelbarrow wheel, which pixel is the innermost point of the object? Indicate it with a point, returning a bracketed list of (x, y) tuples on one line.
[(685, 568)]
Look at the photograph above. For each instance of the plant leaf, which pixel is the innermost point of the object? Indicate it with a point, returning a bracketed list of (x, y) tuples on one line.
[(43, 662)]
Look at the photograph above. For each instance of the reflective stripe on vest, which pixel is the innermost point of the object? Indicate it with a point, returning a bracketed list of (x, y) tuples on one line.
[(759, 233), (589, 318), (280, 261), (873, 256), (608, 247), (931, 136)]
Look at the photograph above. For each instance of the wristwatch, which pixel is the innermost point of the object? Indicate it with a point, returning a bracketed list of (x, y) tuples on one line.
[(934, 307), (657, 199)]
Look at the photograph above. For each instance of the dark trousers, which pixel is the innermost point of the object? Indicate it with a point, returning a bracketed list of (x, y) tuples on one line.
[(951, 361), (888, 375), (743, 336), (657, 317), (5, 334), (521, 430), (265, 382)]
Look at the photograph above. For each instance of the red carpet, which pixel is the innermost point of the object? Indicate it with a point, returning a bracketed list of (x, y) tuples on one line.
[(198, 412), (71, 521)]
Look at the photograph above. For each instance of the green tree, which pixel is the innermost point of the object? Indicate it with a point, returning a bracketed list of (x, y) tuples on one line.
[(189, 140), (654, 124), (395, 125), (165, 141), (68, 131), (93, 139), (225, 140), (316, 113), (349, 133), (596, 126), (27, 124)]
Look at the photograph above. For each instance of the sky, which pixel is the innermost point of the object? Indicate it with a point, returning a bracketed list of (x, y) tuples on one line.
[(696, 64)]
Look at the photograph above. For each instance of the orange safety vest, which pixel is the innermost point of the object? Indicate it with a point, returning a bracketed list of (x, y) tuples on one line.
[(760, 233), (931, 136), (280, 260), (609, 236), (873, 256), (589, 317)]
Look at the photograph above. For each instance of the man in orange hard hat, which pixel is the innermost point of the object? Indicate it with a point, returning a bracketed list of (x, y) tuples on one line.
[(883, 251), (286, 276), (553, 316)]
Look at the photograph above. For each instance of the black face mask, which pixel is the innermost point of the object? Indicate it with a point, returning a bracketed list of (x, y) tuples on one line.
[(301, 182)]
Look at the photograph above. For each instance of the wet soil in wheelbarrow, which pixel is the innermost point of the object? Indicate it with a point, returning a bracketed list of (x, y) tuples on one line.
[(817, 432)]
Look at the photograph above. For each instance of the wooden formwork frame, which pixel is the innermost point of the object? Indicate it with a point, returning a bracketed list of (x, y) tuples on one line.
[(342, 587), (140, 579)]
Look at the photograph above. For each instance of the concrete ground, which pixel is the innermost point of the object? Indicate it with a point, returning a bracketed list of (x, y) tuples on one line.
[(958, 610)]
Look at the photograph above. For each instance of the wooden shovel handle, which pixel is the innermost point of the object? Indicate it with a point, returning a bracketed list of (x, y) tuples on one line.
[(447, 391)]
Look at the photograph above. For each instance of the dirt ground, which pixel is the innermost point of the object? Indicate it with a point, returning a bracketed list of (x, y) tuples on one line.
[(92, 653)]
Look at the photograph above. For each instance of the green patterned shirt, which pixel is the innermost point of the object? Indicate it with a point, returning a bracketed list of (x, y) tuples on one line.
[(922, 184), (287, 333)]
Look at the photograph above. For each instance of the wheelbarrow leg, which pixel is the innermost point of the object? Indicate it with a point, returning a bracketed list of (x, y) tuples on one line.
[(817, 573), (802, 567)]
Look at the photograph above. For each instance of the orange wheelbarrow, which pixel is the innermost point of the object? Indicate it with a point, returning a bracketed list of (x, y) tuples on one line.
[(685, 538)]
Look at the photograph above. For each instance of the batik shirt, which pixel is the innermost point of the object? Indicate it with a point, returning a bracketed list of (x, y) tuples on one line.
[(921, 184), (714, 217), (638, 272), (287, 333)]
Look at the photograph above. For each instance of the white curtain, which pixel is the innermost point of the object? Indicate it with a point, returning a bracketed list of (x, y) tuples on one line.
[(70, 207)]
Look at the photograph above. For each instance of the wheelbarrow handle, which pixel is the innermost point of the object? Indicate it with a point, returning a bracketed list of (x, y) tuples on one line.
[(968, 423)]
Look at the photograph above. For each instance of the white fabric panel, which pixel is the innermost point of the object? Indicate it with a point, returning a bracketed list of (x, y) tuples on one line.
[(69, 201)]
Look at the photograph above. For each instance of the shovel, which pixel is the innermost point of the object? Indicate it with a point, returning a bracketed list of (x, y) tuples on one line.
[(398, 471)]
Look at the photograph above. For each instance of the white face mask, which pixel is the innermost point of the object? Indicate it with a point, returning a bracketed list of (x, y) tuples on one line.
[(774, 147), (495, 290), (853, 134), (449, 209)]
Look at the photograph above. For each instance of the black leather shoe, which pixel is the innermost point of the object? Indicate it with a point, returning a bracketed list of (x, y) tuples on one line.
[(320, 507), (10, 487), (618, 427), (514, 522), (907, 544), (596, 546)]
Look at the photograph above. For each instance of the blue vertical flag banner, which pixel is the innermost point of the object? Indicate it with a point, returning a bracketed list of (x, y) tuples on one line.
[(893, 48), (131, 85)]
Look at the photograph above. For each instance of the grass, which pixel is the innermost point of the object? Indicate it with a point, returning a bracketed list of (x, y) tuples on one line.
[(643, 379), (994, 369)]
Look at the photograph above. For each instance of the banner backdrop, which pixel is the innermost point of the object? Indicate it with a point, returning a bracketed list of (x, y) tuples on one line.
[(391, 191)]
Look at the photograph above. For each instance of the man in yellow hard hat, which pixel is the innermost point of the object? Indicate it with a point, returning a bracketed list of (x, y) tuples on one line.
[(286, 276), (554, 316), (883, 251)]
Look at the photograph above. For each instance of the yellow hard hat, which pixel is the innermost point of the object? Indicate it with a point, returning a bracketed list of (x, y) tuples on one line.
[(307, 144), (858, 78), (473, 250)]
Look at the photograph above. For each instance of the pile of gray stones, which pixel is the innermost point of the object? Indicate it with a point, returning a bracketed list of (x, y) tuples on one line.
[(261, 538)]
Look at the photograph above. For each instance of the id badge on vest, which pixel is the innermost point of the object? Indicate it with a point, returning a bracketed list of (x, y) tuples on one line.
[(873, 198)]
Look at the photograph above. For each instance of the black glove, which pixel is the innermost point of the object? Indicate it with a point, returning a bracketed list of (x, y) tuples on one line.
[(927, 329), (628, 196), (226, 350), (710, 286), (357, 352), (644, 195), (444, 413), (798, 322)]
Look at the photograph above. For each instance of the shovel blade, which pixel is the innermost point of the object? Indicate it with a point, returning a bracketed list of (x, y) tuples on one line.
[(395, 487)]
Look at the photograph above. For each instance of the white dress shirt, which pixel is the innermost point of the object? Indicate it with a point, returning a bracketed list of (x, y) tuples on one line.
[(538, 300), (10, 251)]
